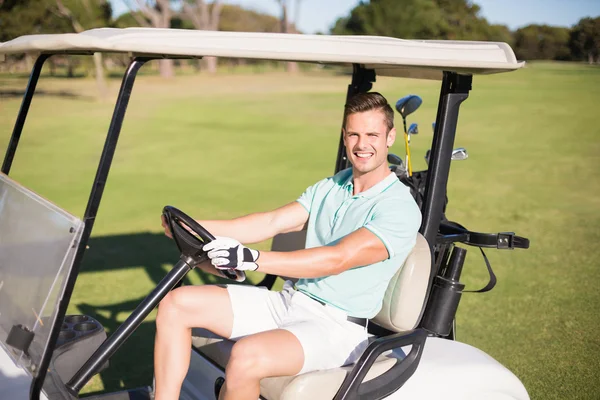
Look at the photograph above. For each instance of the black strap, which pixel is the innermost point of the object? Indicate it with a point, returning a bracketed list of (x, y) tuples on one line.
[(502, 240), (490, 285)]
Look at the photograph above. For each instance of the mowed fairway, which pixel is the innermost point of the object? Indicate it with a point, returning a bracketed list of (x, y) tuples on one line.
[(223, 146)]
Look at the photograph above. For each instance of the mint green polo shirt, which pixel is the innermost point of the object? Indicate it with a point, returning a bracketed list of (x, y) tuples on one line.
[(387, 209)]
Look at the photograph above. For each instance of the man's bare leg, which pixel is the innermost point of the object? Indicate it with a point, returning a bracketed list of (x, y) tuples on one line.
[(181, 310), (262, 355)]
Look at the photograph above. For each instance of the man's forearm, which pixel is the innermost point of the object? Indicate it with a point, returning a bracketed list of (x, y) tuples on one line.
[(257, 227), (307, 263), (357, 249), (252, 228)]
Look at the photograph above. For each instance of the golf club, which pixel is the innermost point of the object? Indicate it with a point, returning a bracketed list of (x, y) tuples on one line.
[(406, 106), (458, 154)]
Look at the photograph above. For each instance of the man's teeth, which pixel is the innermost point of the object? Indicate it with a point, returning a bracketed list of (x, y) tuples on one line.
[(363, 155)]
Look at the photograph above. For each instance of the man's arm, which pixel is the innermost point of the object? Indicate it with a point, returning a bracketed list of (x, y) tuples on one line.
[(257, 227), (361, 247)]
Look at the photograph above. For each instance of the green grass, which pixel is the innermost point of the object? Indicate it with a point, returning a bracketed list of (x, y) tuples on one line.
[(222, 146)]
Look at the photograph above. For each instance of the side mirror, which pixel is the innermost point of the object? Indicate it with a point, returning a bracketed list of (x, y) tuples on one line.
[(413, 129), (408, 104)]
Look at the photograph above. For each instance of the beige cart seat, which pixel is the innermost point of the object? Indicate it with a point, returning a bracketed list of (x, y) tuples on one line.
[(402, 305)]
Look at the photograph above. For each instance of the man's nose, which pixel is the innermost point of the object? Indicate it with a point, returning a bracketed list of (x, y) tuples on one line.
[(361, 142)]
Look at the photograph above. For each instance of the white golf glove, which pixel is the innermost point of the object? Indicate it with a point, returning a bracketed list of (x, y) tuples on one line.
[(227, 253)]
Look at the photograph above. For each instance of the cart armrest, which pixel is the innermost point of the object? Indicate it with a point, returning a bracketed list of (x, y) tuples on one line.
[(353, 388)]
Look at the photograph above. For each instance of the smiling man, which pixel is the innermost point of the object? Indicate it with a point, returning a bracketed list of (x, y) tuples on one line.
[(361, 225)]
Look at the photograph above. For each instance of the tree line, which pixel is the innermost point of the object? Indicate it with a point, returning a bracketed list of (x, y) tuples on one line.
[(407, 19), (461, 20), (23, 17)]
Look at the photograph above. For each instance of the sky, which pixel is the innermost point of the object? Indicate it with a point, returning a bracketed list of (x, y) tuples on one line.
[(320, 15)]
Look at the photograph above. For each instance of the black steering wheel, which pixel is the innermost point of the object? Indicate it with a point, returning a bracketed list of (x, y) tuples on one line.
[(190, 237)]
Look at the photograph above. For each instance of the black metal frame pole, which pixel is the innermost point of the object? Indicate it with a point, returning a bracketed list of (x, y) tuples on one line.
[(108, 152), (455, 90), (18, 128), (362, 81), (116, 340)]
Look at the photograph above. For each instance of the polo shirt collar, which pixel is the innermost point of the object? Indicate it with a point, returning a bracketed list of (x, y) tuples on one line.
[(375, 190)]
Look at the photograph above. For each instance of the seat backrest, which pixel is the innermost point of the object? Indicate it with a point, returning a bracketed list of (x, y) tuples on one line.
[(405, 296)]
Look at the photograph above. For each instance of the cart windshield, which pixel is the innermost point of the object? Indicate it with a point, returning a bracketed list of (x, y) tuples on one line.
[(37, 248)]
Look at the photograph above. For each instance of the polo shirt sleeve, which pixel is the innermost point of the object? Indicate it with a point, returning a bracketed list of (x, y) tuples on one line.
[(396, 225), (307, 198)]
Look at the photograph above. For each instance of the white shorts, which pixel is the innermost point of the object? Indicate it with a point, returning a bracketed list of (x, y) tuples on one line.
[(328, 339)]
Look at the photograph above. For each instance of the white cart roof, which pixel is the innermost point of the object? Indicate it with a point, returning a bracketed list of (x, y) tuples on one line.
[(388, 56)]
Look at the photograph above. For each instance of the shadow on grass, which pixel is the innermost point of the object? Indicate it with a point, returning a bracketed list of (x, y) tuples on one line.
[(144, 249), (15, 93), (131, 366)]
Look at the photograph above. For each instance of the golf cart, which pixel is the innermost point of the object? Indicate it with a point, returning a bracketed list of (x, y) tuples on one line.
[(45, 354)]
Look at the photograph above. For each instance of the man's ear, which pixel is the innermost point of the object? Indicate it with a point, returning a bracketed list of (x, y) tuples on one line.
[(391, 137), (344, 135)]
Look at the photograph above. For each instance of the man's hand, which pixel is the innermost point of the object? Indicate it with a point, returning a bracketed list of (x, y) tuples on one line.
[(227, 253), (166, 226)]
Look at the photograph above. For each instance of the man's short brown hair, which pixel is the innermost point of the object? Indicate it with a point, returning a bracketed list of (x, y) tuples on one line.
[(362, 102)]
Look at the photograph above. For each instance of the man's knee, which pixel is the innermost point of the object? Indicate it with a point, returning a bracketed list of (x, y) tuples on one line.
[(179, 303), (168, 307), (247, 361)]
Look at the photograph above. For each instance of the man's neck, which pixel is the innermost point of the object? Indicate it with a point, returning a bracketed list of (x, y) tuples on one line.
[(364, 182)]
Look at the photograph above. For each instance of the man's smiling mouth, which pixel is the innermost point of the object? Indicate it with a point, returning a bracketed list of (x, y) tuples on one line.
[(363, 155)]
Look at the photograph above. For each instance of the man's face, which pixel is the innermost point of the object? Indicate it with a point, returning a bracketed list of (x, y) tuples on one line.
[(366, 140)]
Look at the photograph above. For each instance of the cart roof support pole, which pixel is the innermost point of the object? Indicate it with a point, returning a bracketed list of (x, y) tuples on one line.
[(16, 135), (455, 89), (108, 152)]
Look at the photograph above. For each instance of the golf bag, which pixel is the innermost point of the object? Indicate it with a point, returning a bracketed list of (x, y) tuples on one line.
[(416, 183)]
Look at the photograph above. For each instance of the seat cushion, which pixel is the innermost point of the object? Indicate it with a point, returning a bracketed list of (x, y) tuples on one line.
[(313, 385)]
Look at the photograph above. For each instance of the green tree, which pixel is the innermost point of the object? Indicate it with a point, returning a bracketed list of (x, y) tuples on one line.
[(421, 19), (500, 33), (157, 14), (204, 16), (237, 19), (542, 42), (412, 19), (584, 40), (461, 20), (84, 15), (287, 26), (27, 17)]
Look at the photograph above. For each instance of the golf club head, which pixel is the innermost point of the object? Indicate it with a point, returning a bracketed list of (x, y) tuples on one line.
[(408, 104), (394, 159), (459, 154), (413, 129)]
